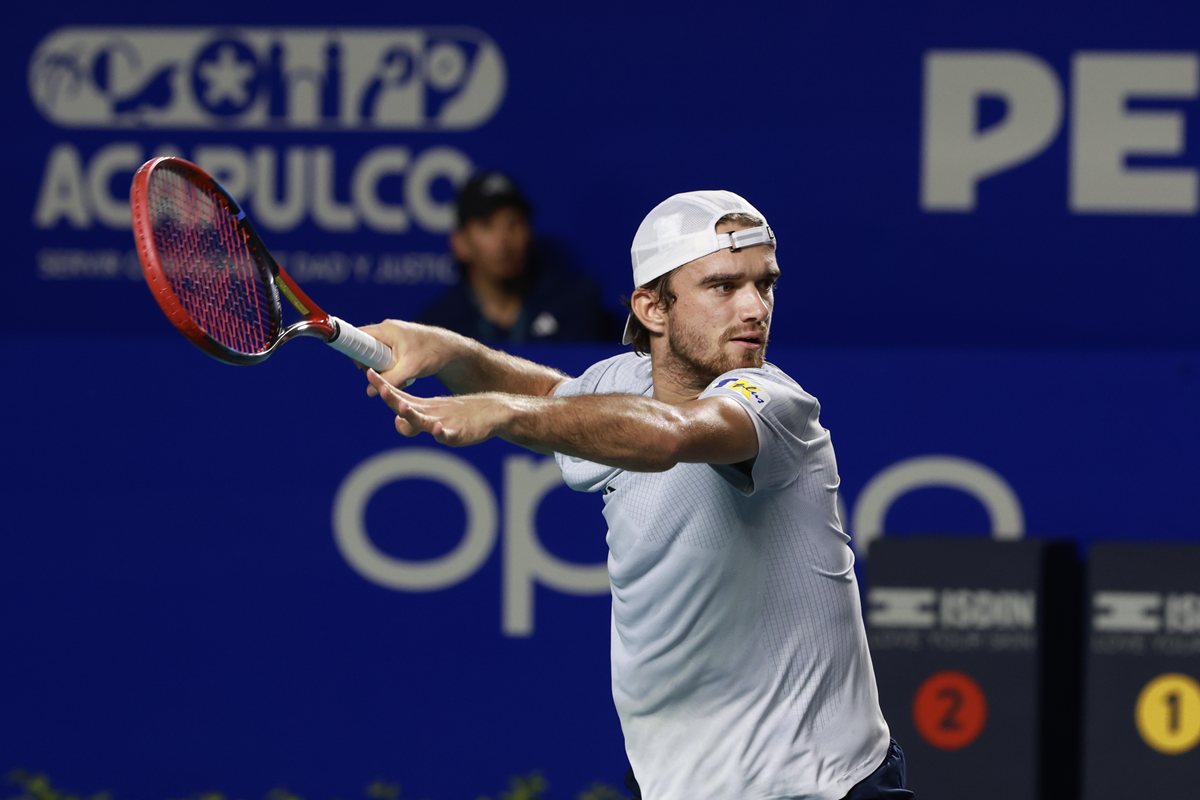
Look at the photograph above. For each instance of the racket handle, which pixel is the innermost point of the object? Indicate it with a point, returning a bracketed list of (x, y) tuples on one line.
[(362, 348)]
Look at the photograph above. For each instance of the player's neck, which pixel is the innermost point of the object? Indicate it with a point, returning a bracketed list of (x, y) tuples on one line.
[(674, 381)]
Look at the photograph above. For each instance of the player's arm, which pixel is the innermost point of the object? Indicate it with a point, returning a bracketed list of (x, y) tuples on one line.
[(463, 365), (627, 431)]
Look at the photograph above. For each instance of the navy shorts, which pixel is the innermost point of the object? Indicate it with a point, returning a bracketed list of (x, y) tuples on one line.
[(889, 781)]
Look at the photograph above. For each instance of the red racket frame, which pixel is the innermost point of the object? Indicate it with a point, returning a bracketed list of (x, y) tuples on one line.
[(316, 322)]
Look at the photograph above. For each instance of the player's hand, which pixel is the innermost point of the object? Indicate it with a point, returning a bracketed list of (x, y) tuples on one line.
[(454, 421), (420, 350)]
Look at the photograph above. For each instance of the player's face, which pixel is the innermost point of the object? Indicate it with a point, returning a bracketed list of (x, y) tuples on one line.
[(721, 317), (495, 247)]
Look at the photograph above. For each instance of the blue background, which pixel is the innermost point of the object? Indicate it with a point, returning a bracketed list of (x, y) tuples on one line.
[(175, 616)]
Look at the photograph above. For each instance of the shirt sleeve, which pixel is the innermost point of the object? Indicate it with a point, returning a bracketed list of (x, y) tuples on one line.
[(619, 375), (786, 420)]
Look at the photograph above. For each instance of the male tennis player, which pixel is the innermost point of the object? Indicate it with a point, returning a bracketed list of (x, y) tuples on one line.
[(740, 667)]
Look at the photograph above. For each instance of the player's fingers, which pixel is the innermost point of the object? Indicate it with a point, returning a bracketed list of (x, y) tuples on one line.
[(378, 385), (417, 420), (396, 400), (374, 382), (441, 434), (405, 428)]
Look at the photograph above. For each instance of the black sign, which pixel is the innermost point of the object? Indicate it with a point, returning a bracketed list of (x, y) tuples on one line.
[(1142, 711), (964, 634)]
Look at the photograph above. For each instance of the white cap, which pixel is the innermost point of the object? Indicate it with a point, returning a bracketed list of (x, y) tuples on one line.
[(682, 228)]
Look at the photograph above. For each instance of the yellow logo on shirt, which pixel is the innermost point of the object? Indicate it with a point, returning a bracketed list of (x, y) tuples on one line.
[(746, 389)]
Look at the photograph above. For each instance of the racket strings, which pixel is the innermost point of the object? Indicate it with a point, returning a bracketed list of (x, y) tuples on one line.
[(221, 282)]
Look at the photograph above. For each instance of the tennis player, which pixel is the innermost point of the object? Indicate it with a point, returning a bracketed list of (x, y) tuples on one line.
[(740, 667)]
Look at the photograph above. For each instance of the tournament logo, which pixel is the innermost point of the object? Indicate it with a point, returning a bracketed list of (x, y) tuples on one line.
[(745, 389), (264, 78)]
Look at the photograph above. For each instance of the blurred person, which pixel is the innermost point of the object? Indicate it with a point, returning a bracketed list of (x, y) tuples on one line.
[(739, 658), (511, 290)]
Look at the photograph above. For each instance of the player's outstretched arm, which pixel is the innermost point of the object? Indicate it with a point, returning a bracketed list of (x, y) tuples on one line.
[(464, 365), (627, 431)]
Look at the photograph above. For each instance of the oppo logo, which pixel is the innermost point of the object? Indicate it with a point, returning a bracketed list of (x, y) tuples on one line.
[(507, 516), (526, 480)]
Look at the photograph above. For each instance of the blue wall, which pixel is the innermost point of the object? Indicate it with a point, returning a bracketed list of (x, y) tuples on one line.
[(988, 236)]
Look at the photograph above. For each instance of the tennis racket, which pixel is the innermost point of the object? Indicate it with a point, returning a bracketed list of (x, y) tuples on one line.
[(213, 276)]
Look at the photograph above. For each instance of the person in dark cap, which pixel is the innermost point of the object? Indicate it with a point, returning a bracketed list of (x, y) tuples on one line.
[(510, 291)]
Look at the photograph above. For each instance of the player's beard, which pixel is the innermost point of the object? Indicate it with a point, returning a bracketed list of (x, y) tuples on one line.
[(696, 356)]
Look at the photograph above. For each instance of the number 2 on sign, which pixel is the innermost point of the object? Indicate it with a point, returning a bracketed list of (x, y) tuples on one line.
[(954, 703), (949, 710)]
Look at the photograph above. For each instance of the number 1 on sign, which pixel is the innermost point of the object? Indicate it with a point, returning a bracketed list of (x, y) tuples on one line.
[(1167, 713)]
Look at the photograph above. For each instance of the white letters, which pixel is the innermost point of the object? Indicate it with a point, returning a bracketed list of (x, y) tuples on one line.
[(268, 212), (87, 194), (327, 212), (901, 607), (955, 154), (982, 609), (260, 78), (439, 162), (1146, 612), (951, 609), (61, 196), (1128, 612), (349, 509), (229, 166), (378, 163), (1105, 132), (526, 481), (1001, 502)]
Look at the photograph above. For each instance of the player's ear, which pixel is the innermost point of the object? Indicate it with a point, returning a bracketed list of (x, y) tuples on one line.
[(650, 312)]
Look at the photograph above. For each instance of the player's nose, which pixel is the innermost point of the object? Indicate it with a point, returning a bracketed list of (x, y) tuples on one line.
[(752, 306)]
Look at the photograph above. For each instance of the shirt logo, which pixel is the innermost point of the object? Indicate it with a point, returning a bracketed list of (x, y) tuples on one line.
[(745, 389)]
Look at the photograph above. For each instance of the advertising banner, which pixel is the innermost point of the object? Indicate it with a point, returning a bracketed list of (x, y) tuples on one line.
[(238, 582)]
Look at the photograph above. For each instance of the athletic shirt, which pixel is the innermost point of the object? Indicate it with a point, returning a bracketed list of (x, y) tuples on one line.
[(740, 667)]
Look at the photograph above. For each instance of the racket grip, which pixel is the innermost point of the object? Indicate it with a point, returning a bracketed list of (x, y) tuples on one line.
[(364, 349)]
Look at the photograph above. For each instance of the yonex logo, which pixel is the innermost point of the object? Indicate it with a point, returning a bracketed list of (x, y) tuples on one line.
[(746, 389), (255, 78)]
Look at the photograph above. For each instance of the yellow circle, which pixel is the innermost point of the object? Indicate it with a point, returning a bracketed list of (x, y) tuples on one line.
[(1168, 713)]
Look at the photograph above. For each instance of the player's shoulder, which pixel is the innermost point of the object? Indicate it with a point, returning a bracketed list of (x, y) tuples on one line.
[(759, 386), (767, 374), (626, 373)]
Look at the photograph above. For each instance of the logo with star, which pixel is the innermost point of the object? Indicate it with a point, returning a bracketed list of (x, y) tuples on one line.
[(225, 77)]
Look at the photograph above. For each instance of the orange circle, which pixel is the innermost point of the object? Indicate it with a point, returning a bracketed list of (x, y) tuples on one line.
[(949, 710)]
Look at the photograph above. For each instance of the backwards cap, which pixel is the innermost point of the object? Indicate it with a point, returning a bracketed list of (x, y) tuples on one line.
[(682, 228)]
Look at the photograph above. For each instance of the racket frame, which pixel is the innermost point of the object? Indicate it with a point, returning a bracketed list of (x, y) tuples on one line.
[(315, 323)]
